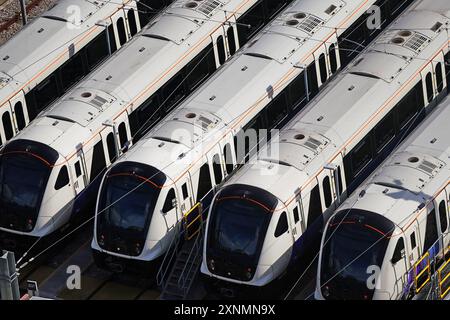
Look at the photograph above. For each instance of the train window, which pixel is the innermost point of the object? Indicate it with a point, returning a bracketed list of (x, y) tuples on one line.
[(112, 38), (121, 31), (398, 251), (323, 68), (111, 143), (46, 92), (7, 126), (315, 209), (77, 169), (361, 156), (20, 117), (63, 178), (282, 225), (384, 132), (296, 215), (98, 160), (132, 22), (439, 77), (312, 80), (447, 67), (231, 40), (277, 110), (200, 67), (431, 235), (72, 71), (443, 215), (297, 91), (221, 49), (97, 50), (327, 191), (429, 84), (169, 202), (123, 135), (173, 92), (217, 169), (144, 117), (184, 189), (273, 7), (413, 240), (397, 6), (204, 182), (228, 155), (352, 39), (333, 58), (339, 177), (250, 23), (407, 108)]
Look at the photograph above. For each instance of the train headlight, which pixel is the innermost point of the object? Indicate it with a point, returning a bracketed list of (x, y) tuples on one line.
[(248, 274), (101, 240), (326, 291), (212, 264), (29, 225), (137, 248)]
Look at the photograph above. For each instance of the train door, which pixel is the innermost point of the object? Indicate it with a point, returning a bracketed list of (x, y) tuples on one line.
[(229, 157), (320, 57), (185, 195), (8, 129), (332, 50), (413, 244), (79, 171), (439, 76), (119, 27), (327, 194), (20, 112), (337, 181), (399, 264), (427, 75), (232, 40), (440, 203), (132, 19), (218, 39), (122, 133)]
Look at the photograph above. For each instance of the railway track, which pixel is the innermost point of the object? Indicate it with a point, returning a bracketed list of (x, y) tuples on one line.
[(10, 15), (50, 272)]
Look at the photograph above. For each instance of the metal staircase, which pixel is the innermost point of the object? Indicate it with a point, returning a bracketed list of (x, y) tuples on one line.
[(181, 265)]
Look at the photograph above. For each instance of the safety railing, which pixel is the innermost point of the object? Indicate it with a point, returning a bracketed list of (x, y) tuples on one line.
[(170, 256), (422, 271), (193, 221), (444, 279)]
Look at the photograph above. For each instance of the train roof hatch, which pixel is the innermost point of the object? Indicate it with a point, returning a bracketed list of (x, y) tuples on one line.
[(63, 10)]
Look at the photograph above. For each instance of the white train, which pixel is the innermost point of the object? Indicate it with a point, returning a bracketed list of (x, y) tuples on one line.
[(146, 193), (54, 160), (271, 213), (56, 50), (398, 215)]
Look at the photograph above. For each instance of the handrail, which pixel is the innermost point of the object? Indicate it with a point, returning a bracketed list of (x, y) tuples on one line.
[(164, 268), (443, 293), (193, 255)]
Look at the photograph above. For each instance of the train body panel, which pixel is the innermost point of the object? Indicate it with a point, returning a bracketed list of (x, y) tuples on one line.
[(344, 133), (189, 146), (408, 191)]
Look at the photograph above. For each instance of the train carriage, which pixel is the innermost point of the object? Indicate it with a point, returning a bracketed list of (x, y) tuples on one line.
[(277, 205), (395, 224), (194, 149), (66, 150), (54, 51)]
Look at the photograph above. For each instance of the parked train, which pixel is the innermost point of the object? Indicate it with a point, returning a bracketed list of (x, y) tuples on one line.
[(50, 164), (271, 213), (398, 215), (57, 49), (145, 195)]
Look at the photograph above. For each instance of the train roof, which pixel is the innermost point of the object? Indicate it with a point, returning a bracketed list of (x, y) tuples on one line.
[(329, 122), (44, 39), (279, 49), (114, 86), (417, 170)]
